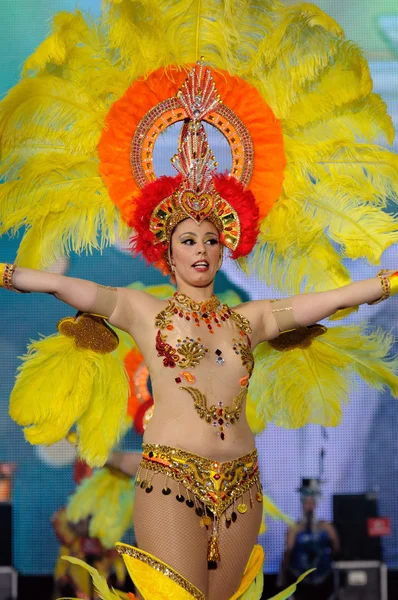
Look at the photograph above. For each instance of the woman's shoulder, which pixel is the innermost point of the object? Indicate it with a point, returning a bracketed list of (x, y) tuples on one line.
[(142, 299), (255, 312), (140, 307)]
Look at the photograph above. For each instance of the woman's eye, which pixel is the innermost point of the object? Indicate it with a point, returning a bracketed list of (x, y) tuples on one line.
[(212, 241), (188, 242)]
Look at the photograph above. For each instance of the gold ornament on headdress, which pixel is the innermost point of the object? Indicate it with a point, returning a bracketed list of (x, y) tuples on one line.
[(196, 198)]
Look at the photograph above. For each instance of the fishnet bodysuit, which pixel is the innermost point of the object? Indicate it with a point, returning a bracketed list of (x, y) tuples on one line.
[(164, 527)]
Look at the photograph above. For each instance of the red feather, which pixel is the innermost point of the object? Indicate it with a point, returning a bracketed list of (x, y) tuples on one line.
[(143, 240), (229, 188), (244, 203)]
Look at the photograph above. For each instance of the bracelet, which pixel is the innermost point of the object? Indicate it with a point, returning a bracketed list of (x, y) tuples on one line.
[(389, 285), (7, 271)]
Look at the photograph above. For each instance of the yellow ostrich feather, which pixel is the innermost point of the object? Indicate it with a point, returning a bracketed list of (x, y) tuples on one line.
[(253, 592), (337, 179), (108, 498), (58, 385), (288, 592), (320, 381), (270, 509), (100, 584)]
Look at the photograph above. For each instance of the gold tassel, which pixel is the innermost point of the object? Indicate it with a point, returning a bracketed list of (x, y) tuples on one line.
[(213, 550)]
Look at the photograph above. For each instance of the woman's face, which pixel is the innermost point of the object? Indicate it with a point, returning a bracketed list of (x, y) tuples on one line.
[(195, 252)]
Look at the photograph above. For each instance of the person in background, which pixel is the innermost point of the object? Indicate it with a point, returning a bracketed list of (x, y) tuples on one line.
[(310, 544)]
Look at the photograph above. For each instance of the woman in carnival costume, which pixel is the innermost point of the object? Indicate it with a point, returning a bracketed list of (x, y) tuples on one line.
[(294, 101)]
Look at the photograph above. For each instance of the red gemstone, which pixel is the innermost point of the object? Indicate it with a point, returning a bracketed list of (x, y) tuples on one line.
[(222, 435), (221, 421), (178, 379), (216, 476)]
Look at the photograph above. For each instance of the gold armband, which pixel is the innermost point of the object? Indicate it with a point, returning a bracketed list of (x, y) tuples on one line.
[(105, 302), (389, 285), (283, 313), (6, 273)]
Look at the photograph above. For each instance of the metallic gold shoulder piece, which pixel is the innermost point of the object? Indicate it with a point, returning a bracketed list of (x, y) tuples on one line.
[(89, 333), (297, 338)]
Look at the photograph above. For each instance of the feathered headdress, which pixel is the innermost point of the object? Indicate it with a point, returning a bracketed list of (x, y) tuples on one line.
[(299, 91), (292, 97), (197, 192)]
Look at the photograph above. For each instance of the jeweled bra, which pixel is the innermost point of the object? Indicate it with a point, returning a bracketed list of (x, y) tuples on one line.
[(188, 352)]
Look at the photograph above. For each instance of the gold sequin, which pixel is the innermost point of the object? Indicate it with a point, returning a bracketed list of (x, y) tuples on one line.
[(89, 332), (164, 318), (242, 508), (162, 567), (205, 521), (229, 413), (204, 307), (241, 321), (297, 338), (259, 497), (243, 348), (216, 488), (191, 352)]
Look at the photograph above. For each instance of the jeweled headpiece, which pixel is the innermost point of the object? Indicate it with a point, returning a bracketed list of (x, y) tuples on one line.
[(198, 192), (196, 197)]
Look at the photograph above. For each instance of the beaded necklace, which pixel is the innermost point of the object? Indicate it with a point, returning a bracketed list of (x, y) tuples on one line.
[(210, 311)]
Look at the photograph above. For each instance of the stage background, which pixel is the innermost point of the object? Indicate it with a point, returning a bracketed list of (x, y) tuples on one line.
[(360, 454)]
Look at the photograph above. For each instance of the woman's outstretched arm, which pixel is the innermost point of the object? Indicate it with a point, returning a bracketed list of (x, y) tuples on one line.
[(269, 319), (78, 293), (313, 307), (83, 295)]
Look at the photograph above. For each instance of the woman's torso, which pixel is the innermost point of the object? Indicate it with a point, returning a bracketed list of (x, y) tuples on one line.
[(312, 549), (198, 358)]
